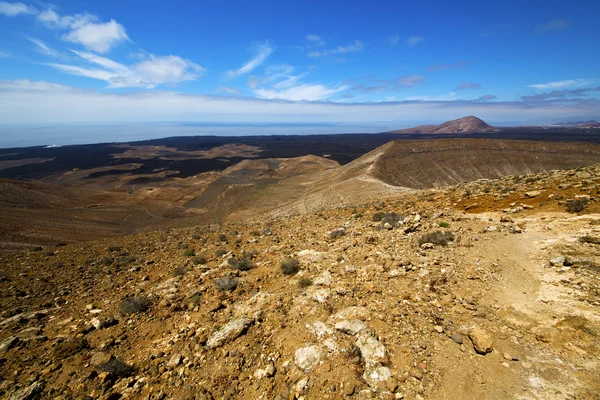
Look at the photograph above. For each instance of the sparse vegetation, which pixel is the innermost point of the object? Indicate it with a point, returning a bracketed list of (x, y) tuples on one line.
[(241, 263), (305, 282), (179, 271), (438, 238), (226, 283), (134, 305), (114, 249), (576, 205), (444, 225), (590, 239), (337, 233), (200, 260), (220, 252), (223, 237), (196, 298), (291, 266), (189, 253), (117, 368)]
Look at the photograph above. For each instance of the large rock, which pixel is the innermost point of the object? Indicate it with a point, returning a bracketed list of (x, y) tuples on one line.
[(307, 357), (371, 350), (351, 327), (28, 393), (482, 340), (228, 332), (8, 344), (377, 377)]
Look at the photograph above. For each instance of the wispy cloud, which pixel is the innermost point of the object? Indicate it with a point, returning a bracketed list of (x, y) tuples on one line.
[(4, 54), (59, 104), (14, 9), (148, 73), (556, 25), (393, 40), (456, 65), (445, 97), (42, 47), (315, 40), (355, 47), (263, 51), (227, 89), (561, 84), (487, 97), (467, 86), (283, 83), (84, 29), (414, 40), (381, 85), (560, 94)]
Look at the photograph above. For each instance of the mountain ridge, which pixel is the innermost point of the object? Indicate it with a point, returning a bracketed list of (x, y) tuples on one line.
[(468, 124)]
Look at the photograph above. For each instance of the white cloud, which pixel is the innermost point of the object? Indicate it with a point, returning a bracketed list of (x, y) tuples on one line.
[(301, 92), (355, 47), (561, 84), (315, 40), (263, 52), (149, 72), (42, 47), (393, 40), (227, 89), (4, 54), (414, 40), (445, 97), (100, 37), (14, 9), (59, 104)]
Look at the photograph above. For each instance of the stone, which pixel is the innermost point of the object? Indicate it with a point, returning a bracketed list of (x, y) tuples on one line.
[(311, 255), (438, 329), (557, 261), (482, 340), (509, 357), (371, 350), (533, 193), (99, 358), (416, 373), (351, 327), (8, 344), (174, 361), (307, 357), (28, 393), (457, 338), (325, 279), (377, 377), (266, 372), (230, 331)]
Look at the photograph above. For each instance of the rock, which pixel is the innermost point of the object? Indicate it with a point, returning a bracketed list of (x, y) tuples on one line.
[(491, 228), (371, 350), (558, 261), (311, 255), (351, 327), (416, 373), (325, 279), (509, 357), (438, 329), (482, 340), (8, 344), (96, 323), (533, 193), (388, 226), (174, 361), (427, 246), (377, 377), (99, 358), (228, 332), (266, 372), (28, 393), (320, 295), (306, 357), (301, 385), (457, 338)]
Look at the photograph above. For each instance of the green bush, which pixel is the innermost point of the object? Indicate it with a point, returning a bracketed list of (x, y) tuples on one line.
[(241, 263), (576, 205), (189, 253), (134, 305), (291, 266), (200, 260), (305, 282), (439, 238), (444, 225)]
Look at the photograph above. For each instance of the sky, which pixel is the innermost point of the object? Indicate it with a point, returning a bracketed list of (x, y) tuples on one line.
[(393, 63)]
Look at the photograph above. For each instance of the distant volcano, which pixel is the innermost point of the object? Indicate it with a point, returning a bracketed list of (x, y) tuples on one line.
[(468, 124)]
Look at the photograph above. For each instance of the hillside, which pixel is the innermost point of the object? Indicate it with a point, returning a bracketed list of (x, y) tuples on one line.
[(484, 290), (468, 124)]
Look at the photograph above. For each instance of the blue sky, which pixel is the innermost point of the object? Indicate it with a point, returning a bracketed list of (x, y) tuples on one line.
[(103, 62)]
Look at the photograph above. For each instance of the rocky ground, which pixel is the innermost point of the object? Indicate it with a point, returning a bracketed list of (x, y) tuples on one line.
[(486, 290)]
